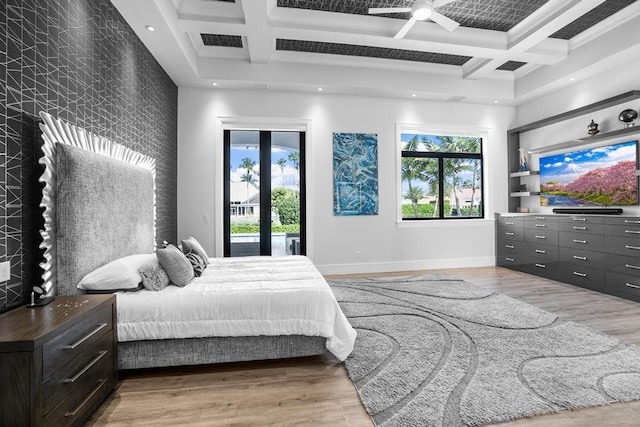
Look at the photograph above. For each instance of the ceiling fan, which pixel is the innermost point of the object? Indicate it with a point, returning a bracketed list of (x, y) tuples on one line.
[(421, 10)]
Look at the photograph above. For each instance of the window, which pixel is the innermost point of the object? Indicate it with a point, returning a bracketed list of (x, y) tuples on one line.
[(441, 176)]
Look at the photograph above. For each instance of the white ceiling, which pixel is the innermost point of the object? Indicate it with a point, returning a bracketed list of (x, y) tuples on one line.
[(552, 63)]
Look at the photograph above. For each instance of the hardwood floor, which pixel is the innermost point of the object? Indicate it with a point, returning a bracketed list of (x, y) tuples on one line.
[(317, 390)]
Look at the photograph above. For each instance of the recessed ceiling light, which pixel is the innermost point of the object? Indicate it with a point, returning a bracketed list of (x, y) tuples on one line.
[(413, 95), (214, 84), (319, 89), (496, 101), (150, 28), (572, 79)]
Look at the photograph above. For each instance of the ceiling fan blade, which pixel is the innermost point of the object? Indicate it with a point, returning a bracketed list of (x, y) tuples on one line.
[(374, 10), (442, 20), (405, 28), (438, 3)]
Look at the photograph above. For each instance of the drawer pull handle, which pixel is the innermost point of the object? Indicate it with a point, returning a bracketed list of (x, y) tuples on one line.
[(86, 368), (637, 248), (510, 259), (541, 217), (582, 242), (541, 265), (575, 227), (635, 267), (541, 225), (509, 246), (73, 413), (575, 273), (86, 337), (581, 258), (508, 233), (541, 237), (632, 231), (629, 221), (541, 251), (510, 223), (631, 285), (579, 219)]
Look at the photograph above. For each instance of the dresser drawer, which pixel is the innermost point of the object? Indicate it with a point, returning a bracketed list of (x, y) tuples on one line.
[(624, 221), (623, 264), (541, 222), (629, 246), (86, 398), (508, 247), (510, 233), (540, 267), (583, 258), (540, 251), (510, 221), (592, 242), (510, 261), (73, 373), (76, 340), (539, 236), (623, 283), (584, 276), (631, 231), (581, 227), (582, 219)]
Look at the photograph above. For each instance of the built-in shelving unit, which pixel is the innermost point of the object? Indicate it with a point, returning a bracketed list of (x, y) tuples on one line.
[(513, 141)]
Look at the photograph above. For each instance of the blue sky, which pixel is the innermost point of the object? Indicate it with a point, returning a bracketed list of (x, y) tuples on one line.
[(566, 167)]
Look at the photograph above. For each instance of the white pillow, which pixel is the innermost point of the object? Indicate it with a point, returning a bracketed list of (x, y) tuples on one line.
[(120, 274)]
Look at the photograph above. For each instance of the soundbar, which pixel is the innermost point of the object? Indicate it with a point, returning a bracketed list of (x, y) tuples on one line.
[(586, 211)]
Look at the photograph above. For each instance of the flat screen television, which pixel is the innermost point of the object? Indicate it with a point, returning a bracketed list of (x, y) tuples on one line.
[(601, 176)]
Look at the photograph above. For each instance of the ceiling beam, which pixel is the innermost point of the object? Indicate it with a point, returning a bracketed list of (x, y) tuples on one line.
[(258, 34), (532, 31)]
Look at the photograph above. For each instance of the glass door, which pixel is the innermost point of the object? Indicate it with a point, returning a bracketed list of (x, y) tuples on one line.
[(264, 193)]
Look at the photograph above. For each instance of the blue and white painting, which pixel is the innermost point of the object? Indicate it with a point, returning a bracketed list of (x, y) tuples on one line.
[(355, 174)]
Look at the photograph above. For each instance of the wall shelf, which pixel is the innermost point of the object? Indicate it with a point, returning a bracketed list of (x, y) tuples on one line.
[(632, 130), (525, 193), (523, 173)]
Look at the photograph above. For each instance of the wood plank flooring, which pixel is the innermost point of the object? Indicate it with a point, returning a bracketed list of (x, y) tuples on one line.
[(317, 390)]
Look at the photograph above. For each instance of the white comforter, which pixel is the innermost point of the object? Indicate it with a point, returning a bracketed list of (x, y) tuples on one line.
[(245, 296)]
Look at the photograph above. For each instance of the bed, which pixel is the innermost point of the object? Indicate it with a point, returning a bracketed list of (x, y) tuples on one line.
[(99, 207)]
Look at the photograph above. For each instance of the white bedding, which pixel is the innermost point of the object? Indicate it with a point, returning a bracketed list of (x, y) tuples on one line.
[(245, 296)]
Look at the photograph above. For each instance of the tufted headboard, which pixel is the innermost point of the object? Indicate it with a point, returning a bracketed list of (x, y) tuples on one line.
[(99, 202)]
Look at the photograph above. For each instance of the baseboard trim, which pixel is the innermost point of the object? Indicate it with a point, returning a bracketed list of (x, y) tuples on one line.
[(398, 266)]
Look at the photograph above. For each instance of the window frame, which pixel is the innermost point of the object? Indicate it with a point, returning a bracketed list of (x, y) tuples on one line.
[(440, 156)]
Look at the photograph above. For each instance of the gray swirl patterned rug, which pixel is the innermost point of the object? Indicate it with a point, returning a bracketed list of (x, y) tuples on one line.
[(437, 351)]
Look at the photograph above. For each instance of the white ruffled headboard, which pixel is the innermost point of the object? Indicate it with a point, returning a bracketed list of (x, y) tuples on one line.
[(98, 200)]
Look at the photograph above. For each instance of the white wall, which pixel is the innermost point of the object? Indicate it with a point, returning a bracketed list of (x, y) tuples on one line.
[(342, 244), (610, 83)]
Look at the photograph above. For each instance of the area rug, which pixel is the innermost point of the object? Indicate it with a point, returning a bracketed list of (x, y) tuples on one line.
[(438, 351)]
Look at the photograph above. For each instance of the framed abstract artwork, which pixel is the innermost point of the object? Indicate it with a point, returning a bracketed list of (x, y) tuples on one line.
[(355, 174)]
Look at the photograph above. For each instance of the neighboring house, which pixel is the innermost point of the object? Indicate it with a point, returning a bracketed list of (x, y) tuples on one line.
[(245, 200)]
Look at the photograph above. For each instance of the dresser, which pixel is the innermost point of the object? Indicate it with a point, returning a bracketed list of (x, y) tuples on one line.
[(598, 252), (57, 362)]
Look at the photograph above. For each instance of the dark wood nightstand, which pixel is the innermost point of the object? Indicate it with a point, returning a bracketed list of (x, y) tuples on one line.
[(58, 363)]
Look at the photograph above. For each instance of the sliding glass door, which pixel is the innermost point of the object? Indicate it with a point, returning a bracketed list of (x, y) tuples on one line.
[(264, 195)]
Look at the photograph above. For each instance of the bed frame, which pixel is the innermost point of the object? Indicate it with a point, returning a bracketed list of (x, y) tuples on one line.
[(99, 205)]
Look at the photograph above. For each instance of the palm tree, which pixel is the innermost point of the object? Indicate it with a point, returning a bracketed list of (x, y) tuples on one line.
[(282, 163), (248, 165), (415, 194), (295, 159)]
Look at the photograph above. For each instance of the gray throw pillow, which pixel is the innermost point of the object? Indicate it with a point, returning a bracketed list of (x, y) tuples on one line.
[(197, 263), (176, 264), (154, 278), (192, 245)]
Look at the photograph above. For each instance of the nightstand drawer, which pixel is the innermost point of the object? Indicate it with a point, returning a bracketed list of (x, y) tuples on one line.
[(73, 373), (86, 398), (75, 341)]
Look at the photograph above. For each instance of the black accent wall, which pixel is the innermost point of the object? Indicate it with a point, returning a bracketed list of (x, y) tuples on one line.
[(80, 61)]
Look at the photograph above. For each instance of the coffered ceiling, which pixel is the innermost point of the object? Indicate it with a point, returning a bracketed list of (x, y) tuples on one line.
[(505, 51)]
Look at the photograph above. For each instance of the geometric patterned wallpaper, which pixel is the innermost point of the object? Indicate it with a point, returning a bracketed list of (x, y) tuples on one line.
[(80, 61)]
